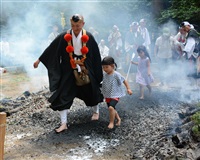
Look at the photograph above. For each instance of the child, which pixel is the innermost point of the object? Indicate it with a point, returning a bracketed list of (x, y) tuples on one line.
[(143, 76), (112, 88)]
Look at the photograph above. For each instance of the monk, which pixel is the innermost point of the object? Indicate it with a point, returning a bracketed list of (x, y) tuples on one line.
[(74, 52)]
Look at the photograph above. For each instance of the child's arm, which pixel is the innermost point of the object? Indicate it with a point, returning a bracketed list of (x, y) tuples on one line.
[(127, 87), (136, 63), (148, 67)]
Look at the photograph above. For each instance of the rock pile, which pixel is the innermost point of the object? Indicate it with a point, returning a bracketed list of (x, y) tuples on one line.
[(155, 128)]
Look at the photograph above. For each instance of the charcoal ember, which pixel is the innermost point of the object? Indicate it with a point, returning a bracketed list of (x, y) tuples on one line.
[(177, 142), (188, 112), (195, 137), (182, 115), (37, 116), (6, 101), (26, 93), (2, 109), (149, 128), (15, 105)]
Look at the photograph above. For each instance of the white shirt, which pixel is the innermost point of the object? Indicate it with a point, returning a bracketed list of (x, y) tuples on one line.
[(77, 44), (179, 41), (145, 35), (189, 46), (104, 50), (112, 85), (164, 47)]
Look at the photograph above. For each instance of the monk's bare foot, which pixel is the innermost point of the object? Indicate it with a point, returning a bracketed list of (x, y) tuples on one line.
[(95, 117), (62, 128), (118, 122), (111, 125)]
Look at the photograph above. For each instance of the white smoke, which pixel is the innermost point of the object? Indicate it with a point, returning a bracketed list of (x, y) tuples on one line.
[(176, 72), (28, 26)]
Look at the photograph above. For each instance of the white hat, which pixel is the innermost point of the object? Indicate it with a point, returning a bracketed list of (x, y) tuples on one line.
[(185, 23), (142, 20), (115, 27), (191, 26), (134, 24)]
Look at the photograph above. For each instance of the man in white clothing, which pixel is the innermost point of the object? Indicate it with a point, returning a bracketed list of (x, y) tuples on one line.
[(189, 47), (145, 34), (179, 42), (104, 50), (163, 53)]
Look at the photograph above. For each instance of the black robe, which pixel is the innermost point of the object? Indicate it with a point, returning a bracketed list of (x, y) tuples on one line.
[(61, 77)]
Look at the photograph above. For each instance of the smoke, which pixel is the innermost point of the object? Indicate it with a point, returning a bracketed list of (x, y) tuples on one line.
[(27, 24), (176, 77), (26, 29), (175, 73)]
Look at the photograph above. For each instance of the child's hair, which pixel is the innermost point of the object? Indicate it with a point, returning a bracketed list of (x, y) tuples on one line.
[(143, 49), (108, 60)]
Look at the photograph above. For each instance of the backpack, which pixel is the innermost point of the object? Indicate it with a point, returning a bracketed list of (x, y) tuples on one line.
[(196, 52)]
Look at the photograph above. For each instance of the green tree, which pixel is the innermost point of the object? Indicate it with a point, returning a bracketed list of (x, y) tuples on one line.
[(184, 10)]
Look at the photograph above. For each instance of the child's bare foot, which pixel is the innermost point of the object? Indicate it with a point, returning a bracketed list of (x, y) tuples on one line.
[(95, 117), (141, 98), (62, 128), (118, 122), (111, 125)]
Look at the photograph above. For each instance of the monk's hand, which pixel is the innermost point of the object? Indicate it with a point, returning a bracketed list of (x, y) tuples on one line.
[(36, 63)]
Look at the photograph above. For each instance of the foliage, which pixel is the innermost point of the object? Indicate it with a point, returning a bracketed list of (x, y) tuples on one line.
[(182, 10), (196, 119), (196, 130), (198, 104)]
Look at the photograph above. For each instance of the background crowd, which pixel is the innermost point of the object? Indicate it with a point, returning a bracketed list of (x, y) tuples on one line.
[(166, 47)]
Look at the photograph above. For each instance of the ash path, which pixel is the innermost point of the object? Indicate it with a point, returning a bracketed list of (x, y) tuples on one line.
[(145, 132)]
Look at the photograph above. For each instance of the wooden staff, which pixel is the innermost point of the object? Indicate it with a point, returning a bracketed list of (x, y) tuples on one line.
[(2, 133), (133, 55)]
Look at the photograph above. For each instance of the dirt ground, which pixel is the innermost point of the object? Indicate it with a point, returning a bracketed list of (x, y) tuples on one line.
[(13, 84), (30, 133)]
